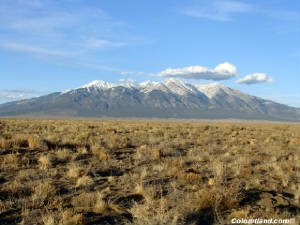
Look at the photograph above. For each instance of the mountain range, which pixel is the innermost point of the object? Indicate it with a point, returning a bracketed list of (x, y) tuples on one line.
[(171, 98)]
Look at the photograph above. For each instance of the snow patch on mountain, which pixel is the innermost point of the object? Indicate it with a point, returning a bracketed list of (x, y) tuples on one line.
[(210, 90), (179, 87), (99, 84), (149, 86)]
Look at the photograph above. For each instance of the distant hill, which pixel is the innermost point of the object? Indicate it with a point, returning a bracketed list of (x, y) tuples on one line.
[(171, 98)]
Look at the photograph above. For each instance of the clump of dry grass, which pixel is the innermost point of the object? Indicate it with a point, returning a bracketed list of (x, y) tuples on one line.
[(4, 143), (95, 202), (11, 161), (157, 154), (84, 181), (142, 148), (17, 189), (117, 141), (139, 188), (69, 217), (100, 152), (82, 150), (48, 219), (73, 171), (43, 191), (34, 142), (190, 178), (85, 200), (62, 155), (82, 139), (157, 211), (20, 141), (46, 161), (101, 205)]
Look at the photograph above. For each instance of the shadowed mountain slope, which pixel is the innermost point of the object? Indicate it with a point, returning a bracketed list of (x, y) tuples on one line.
[(170, 98)]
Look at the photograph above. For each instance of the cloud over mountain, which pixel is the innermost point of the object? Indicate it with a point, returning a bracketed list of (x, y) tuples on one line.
[(18, 93), (223, 71), (125, 73), (11, 96), (128, 80), (255, 78)]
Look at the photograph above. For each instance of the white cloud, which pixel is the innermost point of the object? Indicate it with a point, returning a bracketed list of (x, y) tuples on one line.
[(21, 91), (34, 49), (217, 10), (101, 43), (225, 10), (128, 80), (141, 73), (10, 96), (13, 94), (126, 73), (255, 78), (223, 71), (95, 66)]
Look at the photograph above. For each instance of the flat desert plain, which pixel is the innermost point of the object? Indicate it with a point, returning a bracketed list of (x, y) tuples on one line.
[(146, 173)]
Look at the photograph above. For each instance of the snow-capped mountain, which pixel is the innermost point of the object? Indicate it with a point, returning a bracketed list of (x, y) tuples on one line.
[(171, 98), (100, 84), (170, 85)]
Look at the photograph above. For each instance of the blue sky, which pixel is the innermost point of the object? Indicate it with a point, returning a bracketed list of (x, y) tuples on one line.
[(53, 45)]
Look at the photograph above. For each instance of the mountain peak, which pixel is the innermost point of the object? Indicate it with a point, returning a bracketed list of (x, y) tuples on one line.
[(149, 83), (99, 84)]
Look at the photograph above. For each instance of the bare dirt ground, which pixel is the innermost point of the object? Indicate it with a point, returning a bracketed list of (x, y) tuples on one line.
[(137, 172)]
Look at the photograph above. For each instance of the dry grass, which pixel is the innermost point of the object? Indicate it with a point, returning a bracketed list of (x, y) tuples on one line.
[(84, 181), (34, 142), (46, 161), (68, 217), (154, 173), (73, 171), (48, 220)]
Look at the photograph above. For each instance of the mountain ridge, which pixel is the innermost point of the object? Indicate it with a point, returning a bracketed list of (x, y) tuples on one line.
[(171, 98)]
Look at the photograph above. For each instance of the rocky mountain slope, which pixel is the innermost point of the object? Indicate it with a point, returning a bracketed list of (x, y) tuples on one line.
[(171, 98)]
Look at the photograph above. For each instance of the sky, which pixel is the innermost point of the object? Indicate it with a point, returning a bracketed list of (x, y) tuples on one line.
[(54, 45)]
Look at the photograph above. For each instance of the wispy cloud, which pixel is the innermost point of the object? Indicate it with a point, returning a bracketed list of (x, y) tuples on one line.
[(95, 66), (9, 96), (223, 71), (226, 10), (54, 29), (217, 10), (59, 57), (128, 80), (101, 43), (281, 14), (255, 78), (23, 91), (19, 47), (125, 73)]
